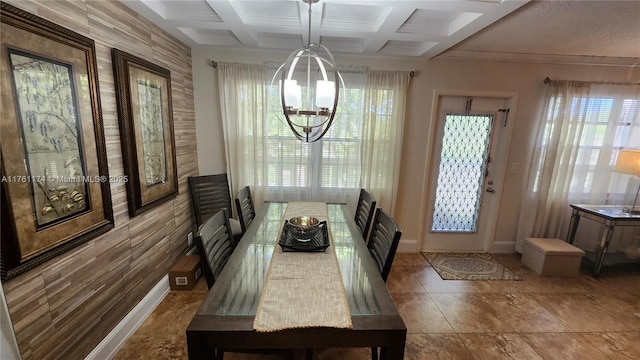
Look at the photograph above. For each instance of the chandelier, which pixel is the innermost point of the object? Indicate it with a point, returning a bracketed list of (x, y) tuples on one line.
[(309, 87)]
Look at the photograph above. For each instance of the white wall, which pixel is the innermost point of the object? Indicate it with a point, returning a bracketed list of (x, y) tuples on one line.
[(523, 79), (211, 159)]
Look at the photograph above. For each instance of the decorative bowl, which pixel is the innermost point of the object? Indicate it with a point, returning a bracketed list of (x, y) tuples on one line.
[(304, 227)]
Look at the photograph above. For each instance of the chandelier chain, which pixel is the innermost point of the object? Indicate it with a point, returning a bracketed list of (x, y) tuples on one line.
[(309, 26)]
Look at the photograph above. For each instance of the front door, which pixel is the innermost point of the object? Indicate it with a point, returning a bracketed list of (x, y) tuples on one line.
[(469, 147)]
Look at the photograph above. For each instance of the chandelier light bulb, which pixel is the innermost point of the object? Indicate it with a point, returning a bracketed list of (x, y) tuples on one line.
[(292, 94), (325, 94), (311, 111)]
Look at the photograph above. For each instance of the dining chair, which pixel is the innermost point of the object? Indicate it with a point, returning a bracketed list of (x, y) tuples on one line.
[(364, 211), (245, 208), (383, 241), (382, 244), (210, 194), (214, 242), (215, 245)]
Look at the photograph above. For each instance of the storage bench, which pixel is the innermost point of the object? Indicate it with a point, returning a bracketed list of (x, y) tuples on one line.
[(551, 257)]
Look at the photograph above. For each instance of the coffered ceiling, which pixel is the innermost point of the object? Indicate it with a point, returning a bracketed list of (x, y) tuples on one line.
[(602, 31)]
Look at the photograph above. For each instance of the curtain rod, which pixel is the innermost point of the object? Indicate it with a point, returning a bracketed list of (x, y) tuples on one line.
[(214, 65), (547, 81)]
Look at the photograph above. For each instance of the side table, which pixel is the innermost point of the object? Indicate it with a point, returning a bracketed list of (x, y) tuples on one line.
[(609, 216)]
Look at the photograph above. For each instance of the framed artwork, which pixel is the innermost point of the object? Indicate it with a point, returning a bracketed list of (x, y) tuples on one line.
[(55, 183), (143, 92)]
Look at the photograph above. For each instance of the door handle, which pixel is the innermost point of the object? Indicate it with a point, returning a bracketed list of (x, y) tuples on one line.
[(490, 190)]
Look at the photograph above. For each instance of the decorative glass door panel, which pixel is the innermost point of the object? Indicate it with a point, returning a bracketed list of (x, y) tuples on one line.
[(463, 166)]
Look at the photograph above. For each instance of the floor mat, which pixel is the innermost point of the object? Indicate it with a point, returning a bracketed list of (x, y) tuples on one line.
[(468, 266)]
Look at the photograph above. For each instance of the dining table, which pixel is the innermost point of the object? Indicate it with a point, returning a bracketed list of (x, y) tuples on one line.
[(234, 314)]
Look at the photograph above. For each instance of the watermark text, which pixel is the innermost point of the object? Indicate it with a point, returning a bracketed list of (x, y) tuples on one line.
[(64, 179)]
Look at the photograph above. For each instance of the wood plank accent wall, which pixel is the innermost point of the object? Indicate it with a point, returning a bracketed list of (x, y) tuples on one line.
[(66, 306)]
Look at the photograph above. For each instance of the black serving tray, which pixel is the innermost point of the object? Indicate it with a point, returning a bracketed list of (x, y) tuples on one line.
[(318, 243)]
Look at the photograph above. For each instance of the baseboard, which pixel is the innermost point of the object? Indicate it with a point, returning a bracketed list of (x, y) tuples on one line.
[(407, 246), (113, 342), (506, 247), (192, 250)]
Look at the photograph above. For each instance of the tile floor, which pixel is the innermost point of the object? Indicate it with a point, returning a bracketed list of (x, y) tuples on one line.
[(536, 318)]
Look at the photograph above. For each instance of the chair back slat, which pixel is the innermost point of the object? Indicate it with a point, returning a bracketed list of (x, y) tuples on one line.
[(214, 241), (383, 241), (245, 207), (364, 211), (209, 194)]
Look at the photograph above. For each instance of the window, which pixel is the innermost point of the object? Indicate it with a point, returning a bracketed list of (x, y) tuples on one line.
[(583, 128), (361, 149), (604, 122), (334, 162)]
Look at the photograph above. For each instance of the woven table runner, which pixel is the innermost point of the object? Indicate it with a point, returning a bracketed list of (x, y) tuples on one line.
[(303, 289)]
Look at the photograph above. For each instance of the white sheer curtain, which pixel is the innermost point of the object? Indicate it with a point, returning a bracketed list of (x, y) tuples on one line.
[(384, 111), (326, 170), (583, 127), (361, 149), (242, 99)]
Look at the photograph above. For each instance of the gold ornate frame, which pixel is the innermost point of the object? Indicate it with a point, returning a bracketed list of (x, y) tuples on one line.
[(55, 183), (143, 92)]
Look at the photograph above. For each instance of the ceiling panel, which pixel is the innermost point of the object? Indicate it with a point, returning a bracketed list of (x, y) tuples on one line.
[(283, 13), (349, 17), (605, 31), (392, 28)]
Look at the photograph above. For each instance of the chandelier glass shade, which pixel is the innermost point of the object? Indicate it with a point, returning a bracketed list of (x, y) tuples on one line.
[(309, 86)]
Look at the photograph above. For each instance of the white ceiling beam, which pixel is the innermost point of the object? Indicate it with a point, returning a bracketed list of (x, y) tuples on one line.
[(474, 26), (367, 35), (230, 15), (155, 12), (440, 5), (199, 24), (393, 20), (155, 6)]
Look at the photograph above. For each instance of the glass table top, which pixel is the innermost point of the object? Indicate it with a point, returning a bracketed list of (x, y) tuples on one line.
[(612, 211), (242, 295)]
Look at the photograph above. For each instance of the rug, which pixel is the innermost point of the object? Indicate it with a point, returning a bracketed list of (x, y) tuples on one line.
[(468, 266)]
